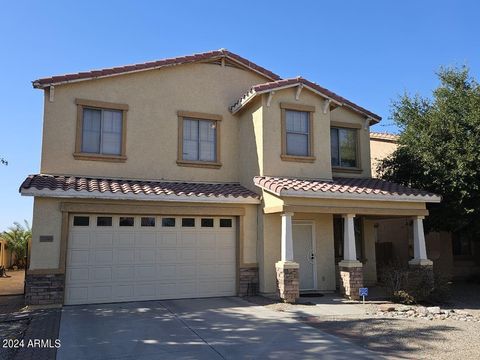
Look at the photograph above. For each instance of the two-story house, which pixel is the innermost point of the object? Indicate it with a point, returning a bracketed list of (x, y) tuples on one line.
[(205, 175)]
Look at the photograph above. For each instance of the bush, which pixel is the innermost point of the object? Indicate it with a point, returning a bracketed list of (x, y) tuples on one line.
[(407, 285)]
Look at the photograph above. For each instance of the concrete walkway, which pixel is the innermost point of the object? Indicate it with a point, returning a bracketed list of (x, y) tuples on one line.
[(215, 328)]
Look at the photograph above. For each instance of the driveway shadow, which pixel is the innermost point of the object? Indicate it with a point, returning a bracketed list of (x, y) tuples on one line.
[(214, 328)]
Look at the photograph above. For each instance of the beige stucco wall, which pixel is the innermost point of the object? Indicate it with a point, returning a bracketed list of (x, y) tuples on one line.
[(272, 247), (47, 220), (153, 97), (272, 140), (250, 157), (399, 232), (380, 149)]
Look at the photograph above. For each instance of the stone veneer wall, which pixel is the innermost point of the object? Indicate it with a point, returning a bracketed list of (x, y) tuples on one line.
[(248, 281), (420, 281), (351, 280), (44, 289), (288, 283)]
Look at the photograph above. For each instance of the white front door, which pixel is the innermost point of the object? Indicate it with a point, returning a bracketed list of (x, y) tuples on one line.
[(304, 253)]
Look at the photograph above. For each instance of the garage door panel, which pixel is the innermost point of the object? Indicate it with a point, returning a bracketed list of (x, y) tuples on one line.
[(167, 256), (206, 255), (122, 273), (79, 240), (100, 274), (206, 240), (124, 256), (225, 254), (145, 240), (145, 290), (124, 291), (145, 255), (186, 255), (77, 274), (100, 292), (124, 239), (145, 272), (79, 257), (165, 290), (166, 272), (188, 239), (122, 263), (103, 256), (186, 271), (168, 239), (103, 240)]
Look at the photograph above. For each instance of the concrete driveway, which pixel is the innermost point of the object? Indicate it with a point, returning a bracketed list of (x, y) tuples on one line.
[(214, 328)]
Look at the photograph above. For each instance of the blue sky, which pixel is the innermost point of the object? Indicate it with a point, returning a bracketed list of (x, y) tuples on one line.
[(367, 51)]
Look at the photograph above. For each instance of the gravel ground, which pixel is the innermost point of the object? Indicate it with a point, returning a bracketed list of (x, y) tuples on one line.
[(396, 337), (408, 338)]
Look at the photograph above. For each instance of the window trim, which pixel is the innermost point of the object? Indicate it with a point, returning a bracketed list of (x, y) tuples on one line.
[(358, 161), (99, 105), (198, 116), (297, 107)]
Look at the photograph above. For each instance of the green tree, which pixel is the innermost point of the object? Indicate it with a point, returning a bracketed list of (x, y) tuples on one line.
[(439, 150), (17, 238)]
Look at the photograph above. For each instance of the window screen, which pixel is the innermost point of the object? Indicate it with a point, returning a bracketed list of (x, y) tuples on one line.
[(102, 131), (297, 133), (343, 147), (199, 140)]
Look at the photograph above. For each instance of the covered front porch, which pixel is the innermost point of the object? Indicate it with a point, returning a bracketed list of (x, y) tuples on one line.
[(324, 240)]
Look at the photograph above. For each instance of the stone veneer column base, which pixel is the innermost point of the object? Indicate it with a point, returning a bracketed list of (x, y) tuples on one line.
[(351, 278), (288, 281), (248, 281), (420, 278), (44, 289)]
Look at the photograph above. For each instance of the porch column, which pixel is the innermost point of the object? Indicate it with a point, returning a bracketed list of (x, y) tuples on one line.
[(351, 270), (286, 269), (420, 275), (287, 238), (419, 248)]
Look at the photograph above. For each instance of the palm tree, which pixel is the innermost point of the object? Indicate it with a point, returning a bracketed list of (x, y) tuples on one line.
[(17, 238)]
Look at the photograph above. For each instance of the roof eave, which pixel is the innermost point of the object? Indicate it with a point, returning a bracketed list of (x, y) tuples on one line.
[(353, 196), (74, 194)]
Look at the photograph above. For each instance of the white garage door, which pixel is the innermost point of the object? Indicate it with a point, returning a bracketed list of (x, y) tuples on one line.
[(127, 258)]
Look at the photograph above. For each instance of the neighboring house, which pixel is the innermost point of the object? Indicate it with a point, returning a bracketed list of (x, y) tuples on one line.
[(205, 175), (453, 256), (6, 258)]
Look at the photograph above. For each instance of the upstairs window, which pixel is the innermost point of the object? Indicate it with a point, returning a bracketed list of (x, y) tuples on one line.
[(198, 143), (199, 140), (101, 130), (297, 130), (344, 147), (298, 133)]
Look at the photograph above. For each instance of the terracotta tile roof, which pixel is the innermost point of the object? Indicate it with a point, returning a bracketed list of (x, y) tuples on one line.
[(76, 185), (284, 83), (376, 189), (384, 136), (222, 53)]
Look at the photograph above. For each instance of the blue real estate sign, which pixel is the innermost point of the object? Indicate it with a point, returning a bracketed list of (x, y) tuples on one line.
[(363, 291)]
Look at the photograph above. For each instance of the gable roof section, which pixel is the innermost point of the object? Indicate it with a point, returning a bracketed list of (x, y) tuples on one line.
[(121, 70), (344, 188), (90, 187), (299, 81)]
